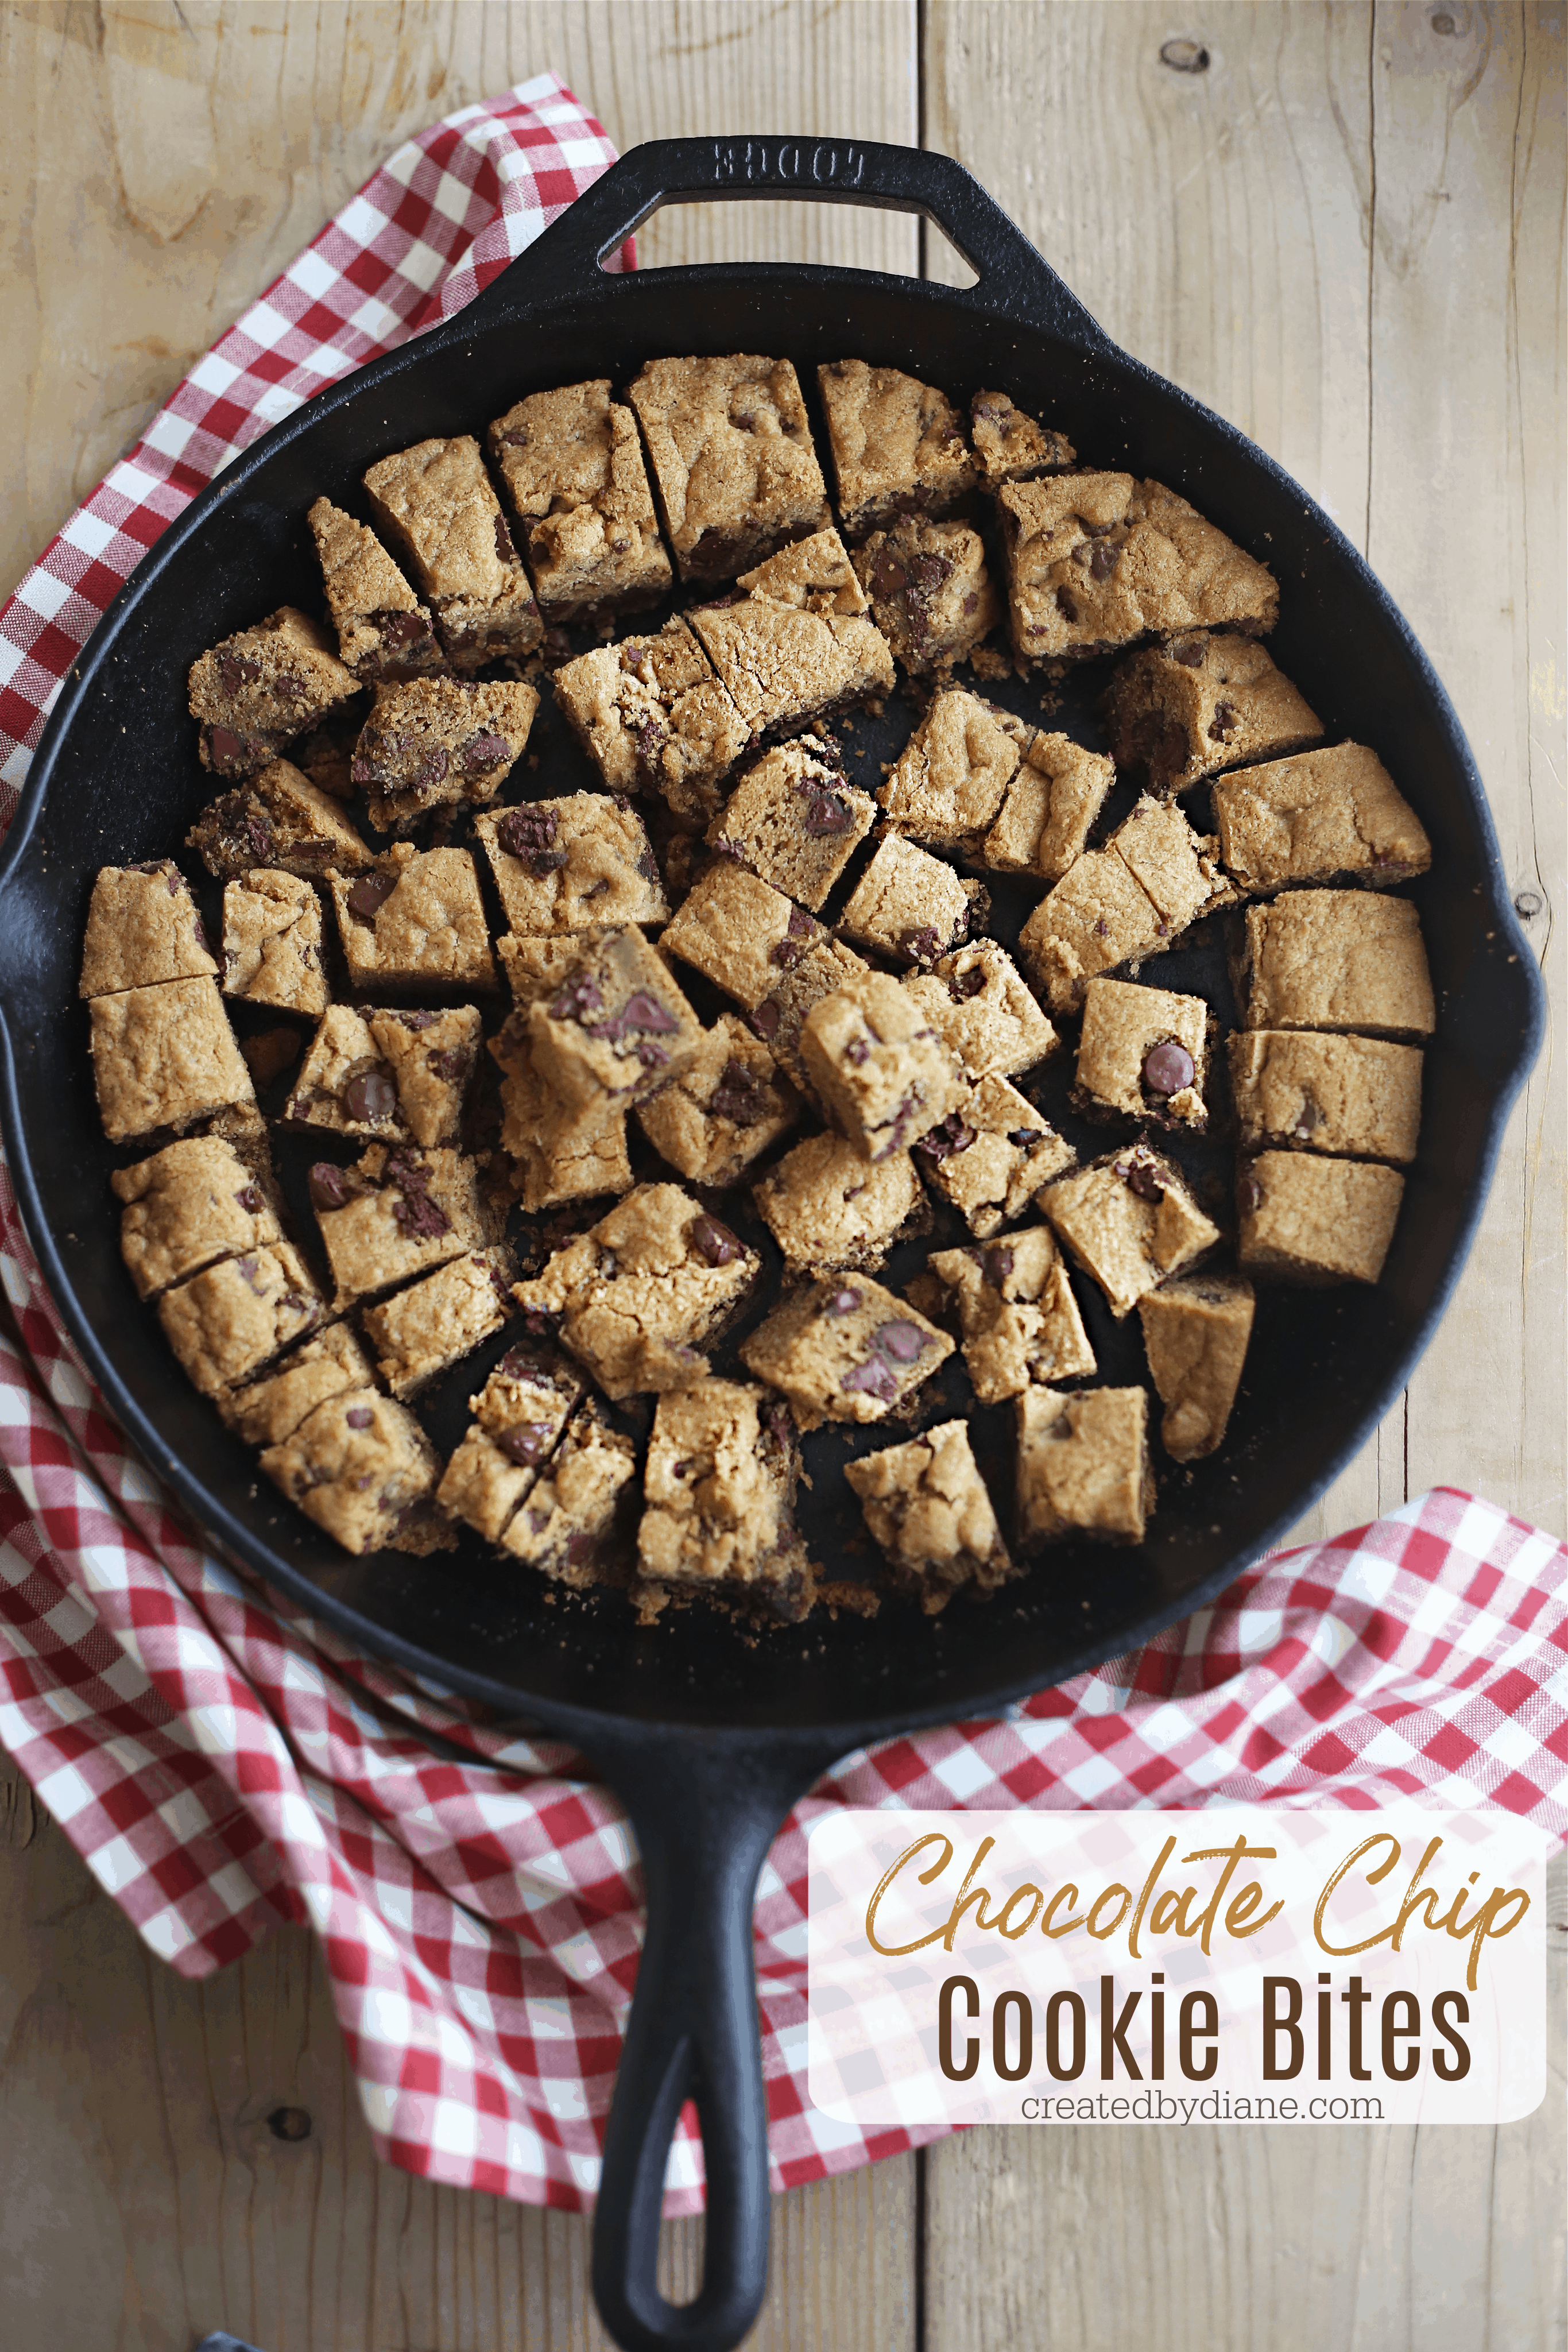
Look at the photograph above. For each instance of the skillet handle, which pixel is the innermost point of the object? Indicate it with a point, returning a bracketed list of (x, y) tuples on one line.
[(1010, 272), (704, 1822)]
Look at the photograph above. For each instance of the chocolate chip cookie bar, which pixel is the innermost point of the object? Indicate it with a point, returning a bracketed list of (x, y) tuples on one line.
[(259, 689), (226, 1322), (435, 503), (1359, 1097), (394, 1213), (383, 630), (1196, 1331), (1130, 1221), (567, 1526), (881, 1070), (1321, 817), (635, 1296), (1018, 1318), (424, 1330), (360, 1466), (142, 927), (911, 906), (826, 1205), (518, 1419), (269, 1409), (927, 1504), (655, 717), (795, 819), (582, 862), (1183, 710), (1308, 1220), (616, 1029), (563, 1152), (740, 932), (1056, 792), (897, 444), (729, 1106), (947, 785), (734, 464), (1142, 1053), (1010, 446), (189, 1204), (1083, 1465), (800, 642), (164, 1056), (822, 966), (718, 1517), (983, 1010), (1334, 959), (989, 1155), (439, 742), (573, 467), (272, 942), (399, 1077), (844, 1352), (277, 818), (1154, 879), (931, 594), (416, 922)]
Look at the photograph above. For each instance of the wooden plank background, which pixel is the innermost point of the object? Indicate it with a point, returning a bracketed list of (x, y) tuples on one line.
[(1345, 232)]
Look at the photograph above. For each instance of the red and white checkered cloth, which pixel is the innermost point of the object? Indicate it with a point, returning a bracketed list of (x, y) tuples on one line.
[(221, 1768)]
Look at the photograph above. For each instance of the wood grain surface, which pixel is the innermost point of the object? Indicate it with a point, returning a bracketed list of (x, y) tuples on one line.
[(1344, 229)]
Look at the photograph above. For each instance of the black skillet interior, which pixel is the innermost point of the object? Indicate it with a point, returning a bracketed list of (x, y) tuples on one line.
[(707, 1737)]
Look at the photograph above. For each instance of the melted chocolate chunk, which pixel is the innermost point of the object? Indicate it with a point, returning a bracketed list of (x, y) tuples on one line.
[(578, 996), (329, 1186), (997, 1265), (942, 1142), (967, 983), (901, 1343), (843, 1302), (1167, 1069), (871, 1379), (527, 1442), (371, 1096), (370, 894), (1142, 1177), (825, 815), (711, 1241), (738, 1097)]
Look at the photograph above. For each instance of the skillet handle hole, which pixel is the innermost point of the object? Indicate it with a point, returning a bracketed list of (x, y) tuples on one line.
[(838, 234)]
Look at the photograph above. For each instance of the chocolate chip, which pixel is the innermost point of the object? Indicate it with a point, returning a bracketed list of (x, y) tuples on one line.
[(1250, 1192), (1169, 1068), (738, 1097), (923, 943), (776, 1420), (370, 894), (711, 1241), (967, 983), (1143, 1180), (329, 1186), (643, 1011), (371, 1096), (652, 1057), (237, 671), (888, 575), (802, 926), (1067, 605), (766, 1019), (900, 1342), (997, 1265), (505, 550), (1104, 561), (857, 1050), (786, 955), (249, 1268), (451, 1066), (484, 751), (870, 1379), (1024, 1139), (646, 867), (1224, 724), (528, 1441), (577, 1548), (1311, 1117), (358, 1416), (401, 630), (516, 438), (227, 748), (418, 1217), (1190, 652), (249, 1199), (843, 1302), (825, 815), (578, 996), (953, 1135)]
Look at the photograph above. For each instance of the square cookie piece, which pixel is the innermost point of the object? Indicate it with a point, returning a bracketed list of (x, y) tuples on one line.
[(1296, 1090), (563, 1152), (192, 1202), (383, 630), (1316, 1220), (573, 466), (225, 1323), (795, 819), (927, 1504), (729, 1106), (989, 1155), (1016, 1314), (1083, 1465), (635, 1296), (1096, 560), (898, 446), (566, 1526), (1335, 959), (617, 1028), (734, 464), (1142, 1053), (393, 1214), (827, 1206), (425, 1329), (142, 929), (279, 818), (801, 643), (579, 864), (416, 921), (1183, 710), (1010, 446), (931, 594), (1196, 1331), (1323, 816), (655, 717), (400, 1076), (911, 905), (360, 1465), (719, 1488), (984, 1012), (740, 932), (519, 1417), (439, 742), (266, 1411), (950, 780), (845, 1351), (883, 1071), (436, 503), (1154, 879), (165, 1057), (1130, 1221), (822, 967), (261, 687), (1053, 798), (272, 942)]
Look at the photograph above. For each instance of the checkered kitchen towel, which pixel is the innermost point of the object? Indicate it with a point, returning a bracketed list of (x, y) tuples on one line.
[(221, 1768)]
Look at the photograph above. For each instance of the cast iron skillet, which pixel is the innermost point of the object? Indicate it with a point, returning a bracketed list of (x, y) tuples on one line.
[(709, 1743)]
